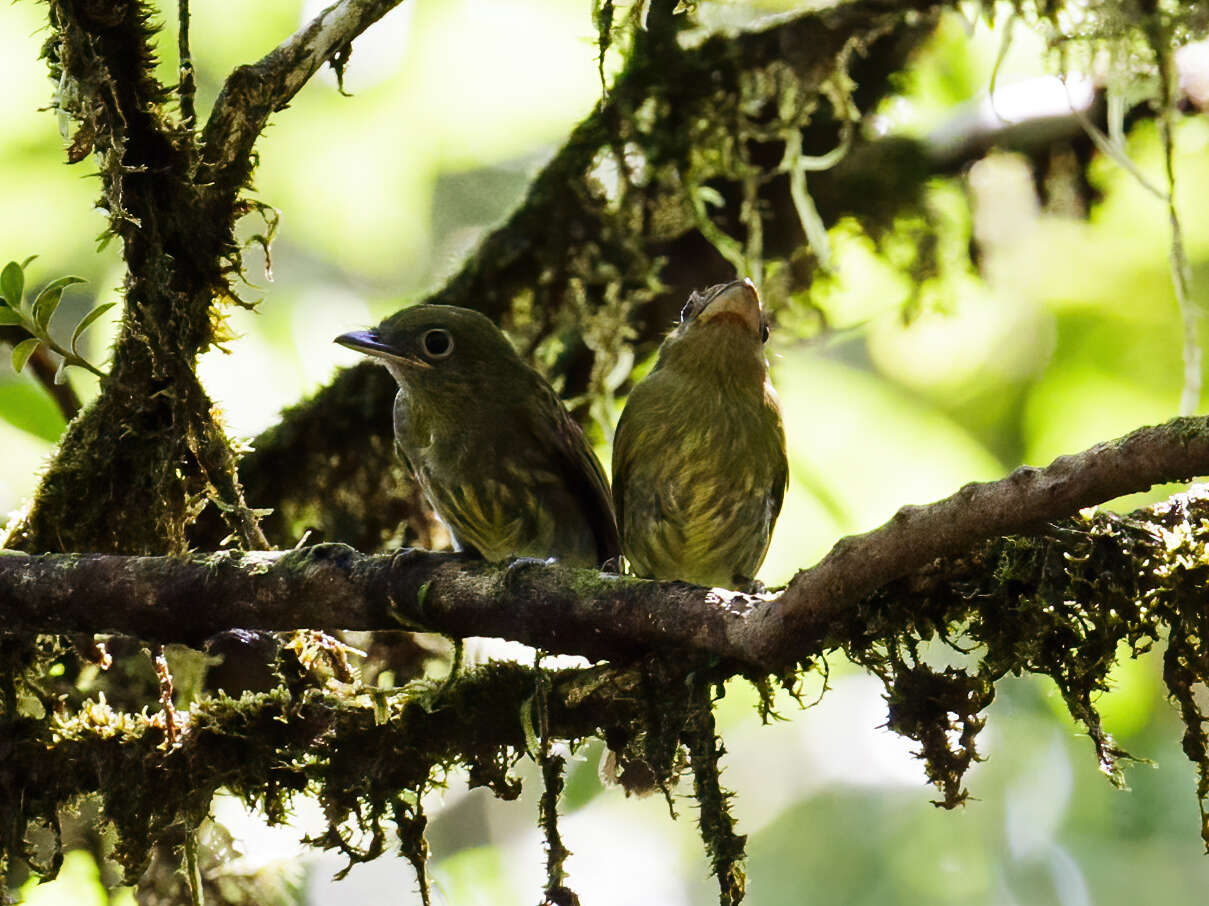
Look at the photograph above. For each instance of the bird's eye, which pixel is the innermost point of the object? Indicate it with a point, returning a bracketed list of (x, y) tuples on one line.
[(437, 343), (763, 331), (692, 307)]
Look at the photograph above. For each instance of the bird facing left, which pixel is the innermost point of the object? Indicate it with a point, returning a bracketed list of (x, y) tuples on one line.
[(494, 450)]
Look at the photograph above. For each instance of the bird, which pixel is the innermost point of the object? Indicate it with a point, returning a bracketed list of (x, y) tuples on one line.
[(497, 455), (699, 461)]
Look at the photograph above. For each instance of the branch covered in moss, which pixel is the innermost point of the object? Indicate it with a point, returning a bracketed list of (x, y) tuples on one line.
[(187, 599), (1022, 503)]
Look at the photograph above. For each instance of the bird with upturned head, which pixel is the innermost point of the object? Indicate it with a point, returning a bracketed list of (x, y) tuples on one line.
[(699, 461), (494, 450)]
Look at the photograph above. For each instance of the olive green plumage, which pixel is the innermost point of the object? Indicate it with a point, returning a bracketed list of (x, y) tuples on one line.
[(494, 450), (699, 463)]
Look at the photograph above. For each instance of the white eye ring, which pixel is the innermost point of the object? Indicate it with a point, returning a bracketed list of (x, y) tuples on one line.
[(437, 344)]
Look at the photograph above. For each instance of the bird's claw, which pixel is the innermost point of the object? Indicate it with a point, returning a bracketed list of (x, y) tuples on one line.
[(518, 564)]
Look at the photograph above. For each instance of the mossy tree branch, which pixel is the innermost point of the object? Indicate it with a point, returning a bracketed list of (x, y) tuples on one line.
[(559, 609), (254, 92)]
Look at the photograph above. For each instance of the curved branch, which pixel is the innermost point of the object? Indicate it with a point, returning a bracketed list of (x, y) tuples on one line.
[(255, 91), (558, 609), (1021, 503)]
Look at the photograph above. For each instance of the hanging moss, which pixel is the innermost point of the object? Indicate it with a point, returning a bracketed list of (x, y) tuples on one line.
[(724, 848)]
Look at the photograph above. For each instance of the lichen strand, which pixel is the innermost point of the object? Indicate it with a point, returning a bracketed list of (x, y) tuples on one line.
[(1184, 528), (407, 810), (557, 893), (939, 709)]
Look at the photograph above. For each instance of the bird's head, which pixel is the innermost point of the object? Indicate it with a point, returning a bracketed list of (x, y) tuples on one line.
[(735, 305), (722, 329), (434, 347)]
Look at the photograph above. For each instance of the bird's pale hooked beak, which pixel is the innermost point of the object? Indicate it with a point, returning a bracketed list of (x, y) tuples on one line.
[(736, 301), (366, 341)]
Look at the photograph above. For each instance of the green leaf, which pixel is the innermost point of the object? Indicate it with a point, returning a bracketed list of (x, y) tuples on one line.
[(50, 297), (29, 408), (22, 351), (12, 283), (86, 322), (8, 316)]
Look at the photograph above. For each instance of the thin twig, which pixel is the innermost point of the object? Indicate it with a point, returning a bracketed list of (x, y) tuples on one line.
[(1181, 278), (187, 89)]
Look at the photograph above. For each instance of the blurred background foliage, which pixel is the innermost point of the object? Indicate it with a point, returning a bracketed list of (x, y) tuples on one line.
[(1066, 334)]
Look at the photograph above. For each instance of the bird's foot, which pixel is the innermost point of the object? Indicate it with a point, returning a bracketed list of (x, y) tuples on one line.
[(518, 565), (749, 586)]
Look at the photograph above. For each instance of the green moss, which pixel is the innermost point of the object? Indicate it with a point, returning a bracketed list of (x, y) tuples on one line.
[(723, 846)]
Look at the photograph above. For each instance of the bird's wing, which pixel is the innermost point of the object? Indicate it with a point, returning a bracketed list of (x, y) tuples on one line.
[(621, 465), (579, 468), (780, 479), (772, 412), (647, 405)]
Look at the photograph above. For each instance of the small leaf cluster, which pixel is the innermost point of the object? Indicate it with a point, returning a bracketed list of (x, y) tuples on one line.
[(34, 317)]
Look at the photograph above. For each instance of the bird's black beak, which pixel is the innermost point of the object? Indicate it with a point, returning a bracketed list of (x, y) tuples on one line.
[(366, 341)]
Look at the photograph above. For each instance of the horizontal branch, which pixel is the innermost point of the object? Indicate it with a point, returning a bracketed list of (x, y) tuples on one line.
[(332, 587), (559, 609)]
